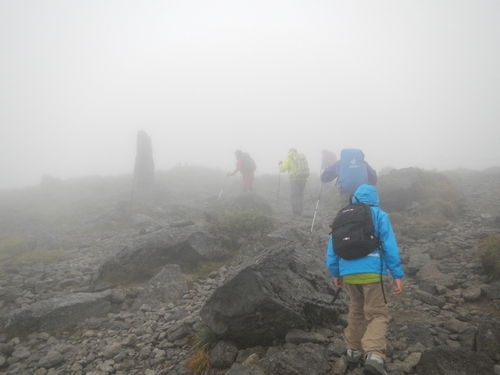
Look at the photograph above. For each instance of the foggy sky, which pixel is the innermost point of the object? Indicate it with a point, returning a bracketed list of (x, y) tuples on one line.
[(412, 83)]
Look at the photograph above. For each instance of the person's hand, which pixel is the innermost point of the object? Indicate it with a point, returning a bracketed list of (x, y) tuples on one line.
[(338, 282), (398, 286), (280, 162), (229, 174)]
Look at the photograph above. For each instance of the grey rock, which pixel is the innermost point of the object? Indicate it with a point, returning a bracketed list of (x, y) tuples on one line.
[(21, 353), (429, 298), (443, 360), (417, 261), (167, 286), (419, 332), (441, 251), (305, 359), (223, 354), (237, 369), (488, 338), (472, 293), (455, 326), (492, 291), (53, 358), (151, 252), (298, 336), (431, 272), (282, 288), (58, 312)]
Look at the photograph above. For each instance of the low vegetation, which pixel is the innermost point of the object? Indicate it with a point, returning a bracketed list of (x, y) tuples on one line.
[(125, 278), (17, 250), (489, 254), (204, 338), (202, 341), (199, 362)]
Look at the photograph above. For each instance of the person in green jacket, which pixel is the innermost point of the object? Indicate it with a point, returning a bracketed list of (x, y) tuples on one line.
[(298, 170)]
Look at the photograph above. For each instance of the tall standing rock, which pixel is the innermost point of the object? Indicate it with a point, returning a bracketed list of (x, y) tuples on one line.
[(144, 171)]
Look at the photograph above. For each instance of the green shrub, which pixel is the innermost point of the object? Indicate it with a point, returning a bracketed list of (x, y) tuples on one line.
[(489, 254)]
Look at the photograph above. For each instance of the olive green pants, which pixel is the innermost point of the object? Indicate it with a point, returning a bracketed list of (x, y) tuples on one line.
[(367, 320)]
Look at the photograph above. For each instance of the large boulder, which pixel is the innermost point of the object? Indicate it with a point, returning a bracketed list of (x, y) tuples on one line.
[(145, 257), (283, 287), (58, 312), (488, 338), (167, 286), (431, 272), (444, 360)]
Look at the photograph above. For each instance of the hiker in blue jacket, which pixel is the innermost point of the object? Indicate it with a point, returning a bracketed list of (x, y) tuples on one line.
[(352, 171), (366, 331)]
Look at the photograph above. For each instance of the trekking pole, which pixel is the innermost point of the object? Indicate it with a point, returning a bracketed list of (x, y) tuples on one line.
[(279, 179), (335, 296), (223, 186), (317, 204)]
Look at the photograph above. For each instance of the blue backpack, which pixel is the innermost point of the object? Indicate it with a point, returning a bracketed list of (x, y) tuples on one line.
[(353, 172)]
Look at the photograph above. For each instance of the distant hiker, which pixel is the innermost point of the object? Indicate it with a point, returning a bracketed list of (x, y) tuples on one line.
[(352, 171), (327, 158), (365, 334), (246, 165), (298, 171)]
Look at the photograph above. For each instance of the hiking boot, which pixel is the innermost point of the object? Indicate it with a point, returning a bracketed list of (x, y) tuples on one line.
[(374, 365), (353, 358)]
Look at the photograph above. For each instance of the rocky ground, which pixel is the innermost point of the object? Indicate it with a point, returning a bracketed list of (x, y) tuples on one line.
[(446, 303)]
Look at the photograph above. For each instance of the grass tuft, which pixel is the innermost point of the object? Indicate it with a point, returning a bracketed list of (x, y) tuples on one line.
[(199, 363), (204, 338)]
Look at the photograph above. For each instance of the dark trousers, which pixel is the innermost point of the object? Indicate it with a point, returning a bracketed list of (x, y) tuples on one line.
[(297, 188)]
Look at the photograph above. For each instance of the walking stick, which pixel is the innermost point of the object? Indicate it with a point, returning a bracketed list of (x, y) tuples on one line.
[(317, 204), (279, 179), (223, 186), (336, 295)]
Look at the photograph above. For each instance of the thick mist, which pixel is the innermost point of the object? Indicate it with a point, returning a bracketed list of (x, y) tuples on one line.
[(410, 83)]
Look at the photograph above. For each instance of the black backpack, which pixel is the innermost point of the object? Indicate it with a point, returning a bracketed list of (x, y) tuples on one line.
[(353, 232), (247, 163)]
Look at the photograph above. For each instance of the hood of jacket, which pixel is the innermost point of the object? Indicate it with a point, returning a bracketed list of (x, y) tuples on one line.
[(367, 194)]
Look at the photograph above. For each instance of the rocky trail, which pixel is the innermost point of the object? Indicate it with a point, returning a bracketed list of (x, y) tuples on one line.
[(449, 312)]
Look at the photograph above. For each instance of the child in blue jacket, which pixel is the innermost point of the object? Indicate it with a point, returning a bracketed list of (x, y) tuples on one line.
[(368, 312)]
